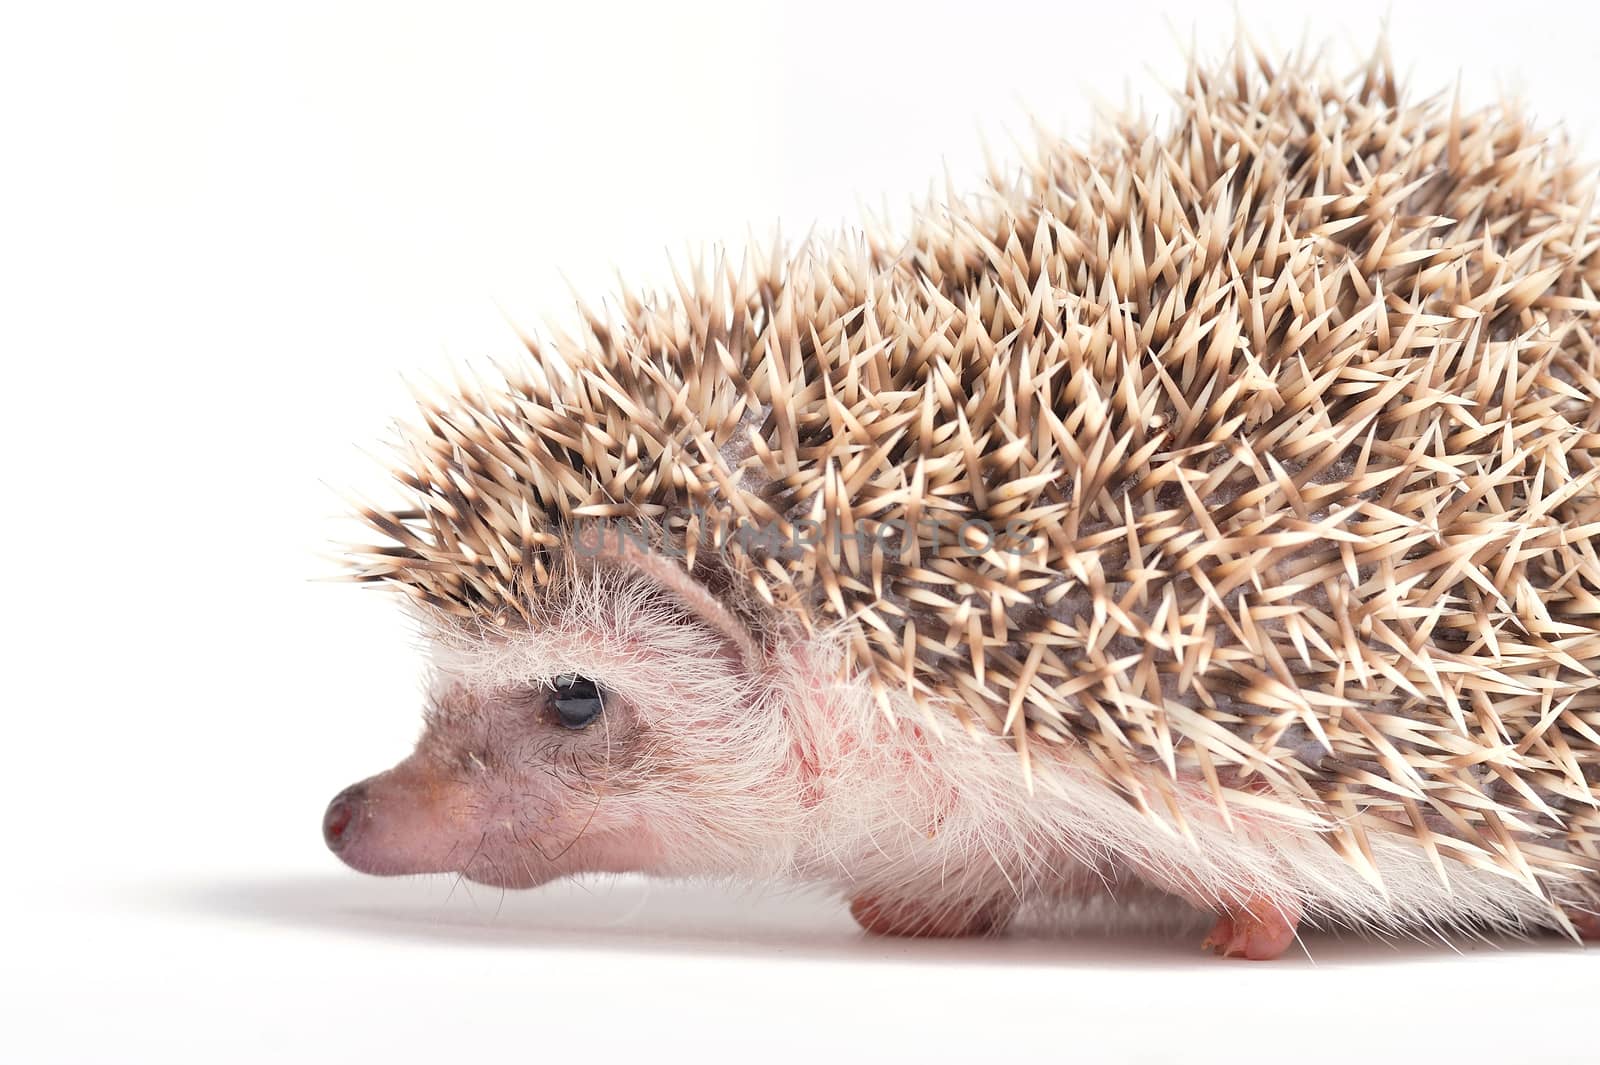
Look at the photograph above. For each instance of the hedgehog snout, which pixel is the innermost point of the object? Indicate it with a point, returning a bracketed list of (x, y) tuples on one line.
[(340, 821), (406, 820)]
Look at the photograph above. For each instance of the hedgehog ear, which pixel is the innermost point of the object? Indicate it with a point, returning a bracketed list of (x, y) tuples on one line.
[(690, 593)]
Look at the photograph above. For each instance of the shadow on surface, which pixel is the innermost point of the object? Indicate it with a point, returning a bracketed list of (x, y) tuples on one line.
[(631, 915)]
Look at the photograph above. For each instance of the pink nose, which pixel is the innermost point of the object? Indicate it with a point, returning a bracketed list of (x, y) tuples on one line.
[(342, 818)]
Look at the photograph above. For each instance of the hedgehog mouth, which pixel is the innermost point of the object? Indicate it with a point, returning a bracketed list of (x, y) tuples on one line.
[(508, 869)]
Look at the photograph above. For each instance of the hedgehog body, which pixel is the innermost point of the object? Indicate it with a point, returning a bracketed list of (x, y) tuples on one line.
[(1211, 512)]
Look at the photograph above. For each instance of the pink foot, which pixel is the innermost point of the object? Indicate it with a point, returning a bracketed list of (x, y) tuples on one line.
[(1256, 929), (892, 917)]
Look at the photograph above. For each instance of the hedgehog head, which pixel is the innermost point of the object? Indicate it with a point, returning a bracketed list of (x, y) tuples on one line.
[(619, 726)]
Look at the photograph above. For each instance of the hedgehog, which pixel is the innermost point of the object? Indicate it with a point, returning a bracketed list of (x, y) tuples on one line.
[(1204, 514)]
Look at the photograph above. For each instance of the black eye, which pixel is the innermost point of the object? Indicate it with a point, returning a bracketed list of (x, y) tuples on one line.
[(576, 699)]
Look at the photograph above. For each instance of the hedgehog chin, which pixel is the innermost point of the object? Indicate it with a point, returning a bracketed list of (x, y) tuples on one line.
[(509, 879), (542, 862)]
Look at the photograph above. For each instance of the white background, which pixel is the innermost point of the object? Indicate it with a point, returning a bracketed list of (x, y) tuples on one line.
[(225, 233)]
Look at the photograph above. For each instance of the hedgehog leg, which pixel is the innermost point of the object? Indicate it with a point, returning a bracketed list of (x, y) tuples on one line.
[(1257, 929), (929, 919)]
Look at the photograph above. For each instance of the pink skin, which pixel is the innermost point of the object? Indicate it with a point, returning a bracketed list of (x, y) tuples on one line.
[(1257, 930), (500, 791)]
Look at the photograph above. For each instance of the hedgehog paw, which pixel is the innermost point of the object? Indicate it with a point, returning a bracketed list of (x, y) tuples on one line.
[(899, 917), (1256, 929)]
